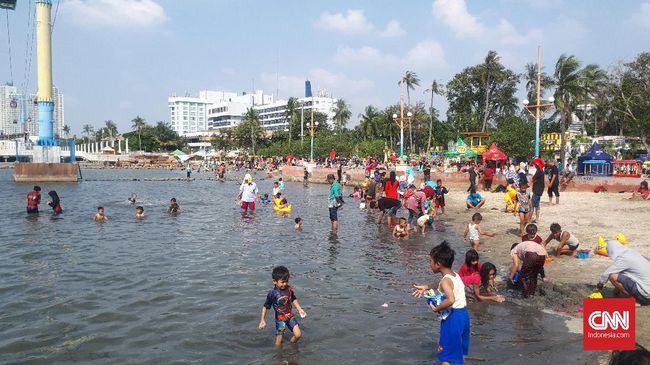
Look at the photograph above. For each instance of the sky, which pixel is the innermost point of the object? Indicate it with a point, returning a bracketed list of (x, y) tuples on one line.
[(115, 59)]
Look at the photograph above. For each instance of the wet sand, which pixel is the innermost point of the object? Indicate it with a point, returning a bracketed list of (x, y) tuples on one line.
[(586, 215)]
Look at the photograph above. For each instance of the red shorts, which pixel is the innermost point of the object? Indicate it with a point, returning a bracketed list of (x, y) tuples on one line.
[(439, 204), (248, 205)]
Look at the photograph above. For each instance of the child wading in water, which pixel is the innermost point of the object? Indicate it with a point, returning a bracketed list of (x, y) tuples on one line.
[(139, 212), (454, 330), (55, 203), (100, 216), (474, 231), (282, 299), (173, 207), (298, 225), (402, 229)]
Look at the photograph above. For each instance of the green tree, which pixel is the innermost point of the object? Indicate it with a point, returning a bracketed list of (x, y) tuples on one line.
[(515, 136), (530, 76), (66, 130), (137, 123), (410, 80), (367, 127), (290, 114), (480, 95), (249, 131), (434, 89), (111, 128), (342, 114)]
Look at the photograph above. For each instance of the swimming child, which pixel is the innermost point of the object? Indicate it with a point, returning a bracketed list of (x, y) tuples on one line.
[(173, 206), (265, 199), (484, 289), (454, 330), (283, 203), (402, 229), (281, 184), (568, 242), (470, 270), (426, 219), (282, 298), (440, 195), (55, 203), (524, 210), (139, 212), (276, 188), (132, 198), (356, 193), (100, 216), (474, 231), (298, 225)]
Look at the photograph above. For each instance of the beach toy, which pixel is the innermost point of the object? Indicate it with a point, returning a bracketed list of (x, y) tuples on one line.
[(583, 254), (548, 260), (601, 247), (435, 298), (279, 209), (622, 239), (515, 278), (596, 295)]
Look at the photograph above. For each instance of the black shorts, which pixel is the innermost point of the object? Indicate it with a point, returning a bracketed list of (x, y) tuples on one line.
[(632, 288), (554, 189), (334, 214), (32, 211)]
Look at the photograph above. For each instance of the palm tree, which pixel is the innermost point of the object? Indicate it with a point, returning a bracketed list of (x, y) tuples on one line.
[(88, 130), (250, 127), (342, 114), (530, 75), (491, 72), (367, 124), (573, 85), (137, 124), (435, 89), (111, 128), (594, 81), (290, 114), (411, 80), (66, 130)]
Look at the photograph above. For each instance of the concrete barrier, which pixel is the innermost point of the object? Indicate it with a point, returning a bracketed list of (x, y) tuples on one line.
[(461, 180), (45, 172)]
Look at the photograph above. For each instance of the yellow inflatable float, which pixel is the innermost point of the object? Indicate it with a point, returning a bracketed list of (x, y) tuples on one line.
[(511, 199), (279, 209), (601, 247)]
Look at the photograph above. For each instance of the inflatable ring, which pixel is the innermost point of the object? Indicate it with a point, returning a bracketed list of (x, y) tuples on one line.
[(278, 209)]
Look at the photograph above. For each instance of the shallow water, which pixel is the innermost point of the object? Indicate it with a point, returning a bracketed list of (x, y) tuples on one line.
[(189, 288)]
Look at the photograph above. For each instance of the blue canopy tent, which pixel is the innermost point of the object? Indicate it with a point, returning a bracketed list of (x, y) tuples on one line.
[(595, 162)]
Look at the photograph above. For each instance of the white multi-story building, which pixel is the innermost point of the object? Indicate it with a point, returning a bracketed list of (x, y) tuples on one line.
[(10, 112), (273, 116), (191, 114)]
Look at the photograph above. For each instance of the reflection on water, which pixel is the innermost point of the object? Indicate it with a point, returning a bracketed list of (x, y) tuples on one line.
[(189, 287)]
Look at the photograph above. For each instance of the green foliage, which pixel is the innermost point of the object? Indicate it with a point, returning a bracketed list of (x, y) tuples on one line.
[(515, 136), (158, 138), (342, 114)]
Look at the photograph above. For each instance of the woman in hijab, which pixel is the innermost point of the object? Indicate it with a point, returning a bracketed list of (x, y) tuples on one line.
[(248, 194), (55, 203), (630, 272)]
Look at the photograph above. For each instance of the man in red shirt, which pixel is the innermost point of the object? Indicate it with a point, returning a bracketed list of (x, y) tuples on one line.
[(488, 175), (33, 200)]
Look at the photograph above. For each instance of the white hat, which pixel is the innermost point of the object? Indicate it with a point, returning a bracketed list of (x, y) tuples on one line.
[(248, 178)]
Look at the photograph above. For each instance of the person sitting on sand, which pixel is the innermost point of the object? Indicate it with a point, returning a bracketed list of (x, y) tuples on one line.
[(474, 200), (100, 216), (132, 198), (642, 193), (473, 231), (481, 287), (139, 212), (568, 243), (173, 206), (402, 229), (630, 273), (298, 226)]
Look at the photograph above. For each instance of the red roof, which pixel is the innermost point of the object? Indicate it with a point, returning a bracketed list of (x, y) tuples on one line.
[(494, 154)]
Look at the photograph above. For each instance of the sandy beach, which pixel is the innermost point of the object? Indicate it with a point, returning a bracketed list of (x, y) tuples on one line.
[(586, 215)]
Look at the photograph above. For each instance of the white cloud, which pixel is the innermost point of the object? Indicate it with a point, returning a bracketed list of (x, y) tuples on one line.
[(353, 22), (115, 13), (393, 29), (427, 53), (642, 17), (454, 14)]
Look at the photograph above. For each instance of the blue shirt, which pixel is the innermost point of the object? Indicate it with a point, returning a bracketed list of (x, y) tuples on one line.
[(281, 300), (474, 199)]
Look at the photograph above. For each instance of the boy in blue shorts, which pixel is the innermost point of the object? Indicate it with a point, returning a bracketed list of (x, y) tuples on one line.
[(282, 299), (454, 330)]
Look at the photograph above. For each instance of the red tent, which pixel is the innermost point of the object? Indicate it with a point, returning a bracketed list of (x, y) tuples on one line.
[(494, 154)]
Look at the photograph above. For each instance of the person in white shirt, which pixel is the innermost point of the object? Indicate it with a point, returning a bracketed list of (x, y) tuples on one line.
[(248, 194)]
